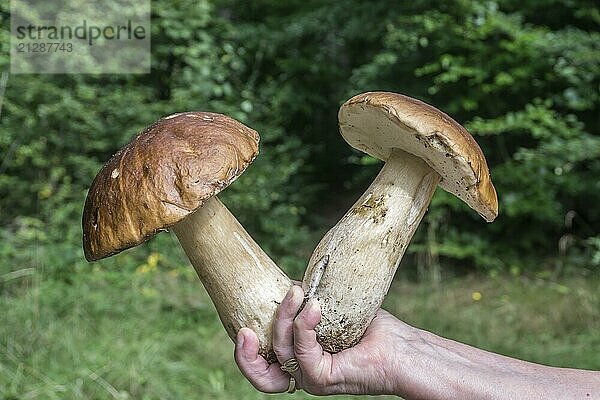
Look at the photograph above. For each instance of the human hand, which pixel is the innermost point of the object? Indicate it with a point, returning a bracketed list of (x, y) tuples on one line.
[(363, 369), (395, 358)]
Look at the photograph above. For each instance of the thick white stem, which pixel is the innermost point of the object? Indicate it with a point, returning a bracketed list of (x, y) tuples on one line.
[(243, 282), (357, 259)]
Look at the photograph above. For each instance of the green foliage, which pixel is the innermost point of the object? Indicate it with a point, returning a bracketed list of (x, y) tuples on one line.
[(57, 131), (530, 95), (526, 88), (525, 83)]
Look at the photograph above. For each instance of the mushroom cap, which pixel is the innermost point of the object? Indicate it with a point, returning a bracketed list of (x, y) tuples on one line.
[(165, 173), (379, 122)]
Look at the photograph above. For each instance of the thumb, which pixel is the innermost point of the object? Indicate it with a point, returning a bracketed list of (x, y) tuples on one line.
[(308, 351)]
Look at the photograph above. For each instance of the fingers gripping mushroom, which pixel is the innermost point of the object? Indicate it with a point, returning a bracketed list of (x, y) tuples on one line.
[(352, 267), (167, 177)]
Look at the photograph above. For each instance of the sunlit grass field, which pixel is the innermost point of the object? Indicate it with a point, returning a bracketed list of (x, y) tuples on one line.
[(152, 333)]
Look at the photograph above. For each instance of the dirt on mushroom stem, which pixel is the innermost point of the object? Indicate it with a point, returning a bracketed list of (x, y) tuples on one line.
[(365, 247)]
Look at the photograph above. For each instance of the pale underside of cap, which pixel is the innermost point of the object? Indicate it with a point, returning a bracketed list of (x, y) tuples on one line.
[(165, 173), (379, 122)]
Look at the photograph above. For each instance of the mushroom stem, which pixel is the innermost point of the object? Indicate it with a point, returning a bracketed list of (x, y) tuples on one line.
[(364, 248), (244, 284)]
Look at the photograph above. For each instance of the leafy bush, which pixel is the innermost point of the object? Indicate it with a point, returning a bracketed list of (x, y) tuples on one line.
[(524, 82)]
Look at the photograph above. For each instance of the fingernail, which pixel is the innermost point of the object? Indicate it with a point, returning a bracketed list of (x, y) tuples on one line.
[(290, 294), (240, 339), (313, 305), (297, 294)]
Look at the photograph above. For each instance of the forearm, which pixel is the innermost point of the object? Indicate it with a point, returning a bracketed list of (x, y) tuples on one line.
[(427, 366)]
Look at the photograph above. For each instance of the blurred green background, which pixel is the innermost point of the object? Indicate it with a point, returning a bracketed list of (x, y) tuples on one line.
[(523, 76)]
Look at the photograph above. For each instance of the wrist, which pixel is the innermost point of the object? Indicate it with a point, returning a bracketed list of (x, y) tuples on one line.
[(429, 366), (402, 360), (423, 365)]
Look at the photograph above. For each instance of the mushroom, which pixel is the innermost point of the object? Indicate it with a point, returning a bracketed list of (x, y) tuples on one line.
[(167, 177), (352, 267)]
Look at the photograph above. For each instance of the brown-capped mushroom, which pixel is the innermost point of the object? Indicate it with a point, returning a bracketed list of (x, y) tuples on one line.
[(167, 177), (352, 267)]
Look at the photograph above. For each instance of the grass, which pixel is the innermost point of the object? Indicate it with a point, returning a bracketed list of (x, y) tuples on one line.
[(153, 333), (533, 319)]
